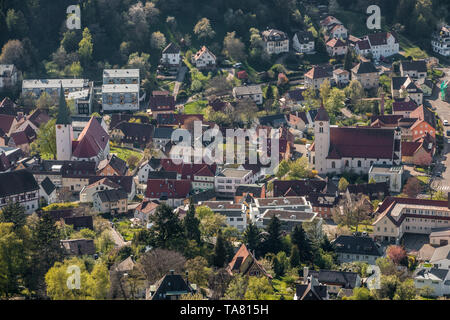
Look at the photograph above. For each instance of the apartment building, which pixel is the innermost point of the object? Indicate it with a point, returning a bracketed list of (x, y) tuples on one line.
[(227, 181), (234, 212)]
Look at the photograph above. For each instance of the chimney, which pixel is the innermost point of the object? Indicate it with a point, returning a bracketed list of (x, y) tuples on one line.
[(382, 104), (305, 274)]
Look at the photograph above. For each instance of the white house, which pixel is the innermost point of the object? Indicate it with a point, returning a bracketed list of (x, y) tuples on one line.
[(303, 42), (120, 97), (440, 41), (229, 179), (275, 41), (234, 212), (8, 75), (253, 92), (19, 187), (204, 59), (441, 257), (436, 279), (171, 56), (382, 44), (47, 191)]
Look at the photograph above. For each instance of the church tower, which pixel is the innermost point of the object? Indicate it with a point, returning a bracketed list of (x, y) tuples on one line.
[(64, 131), (321, 140)]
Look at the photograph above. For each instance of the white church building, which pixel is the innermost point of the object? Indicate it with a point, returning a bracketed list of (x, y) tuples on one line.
[(337, 150)]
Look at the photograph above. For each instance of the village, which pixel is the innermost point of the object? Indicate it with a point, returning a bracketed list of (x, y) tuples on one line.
[(357, 187)]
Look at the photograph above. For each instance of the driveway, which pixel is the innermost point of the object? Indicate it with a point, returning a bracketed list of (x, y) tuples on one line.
[(443, 161), (179, 81)]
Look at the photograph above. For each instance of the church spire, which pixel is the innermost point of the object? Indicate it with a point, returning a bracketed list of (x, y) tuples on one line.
[(322, 114), (63, 110)]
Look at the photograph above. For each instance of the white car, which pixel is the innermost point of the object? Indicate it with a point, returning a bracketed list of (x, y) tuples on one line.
[(445, 123)]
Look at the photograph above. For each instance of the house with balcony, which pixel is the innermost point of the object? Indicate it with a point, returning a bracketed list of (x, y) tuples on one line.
[(303, 42), (8, 76), (227, 181), (52, 87), (440, 41), (275, 41), (120, 97), (234, 212)]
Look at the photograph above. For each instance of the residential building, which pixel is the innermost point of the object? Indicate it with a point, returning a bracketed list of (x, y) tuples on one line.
[(436, 279), (419, 153), (244, 263), (317, 75), (148, 166), (47, 191), (337, 280), (366, 73), (275, 41), (303, 42), (310, 288), (171, 56), (352, 148), (406, 87), (144, 210), (125, 182), (161, 102), (204, 59), (170, 287), (133, 135), (341, 77), (337, 31), (82, 100), (382, 44), (121, 76), (8, 76), (120, 97), (52, 86), (276, 120), (112, 166), (397, 216), (162, 136), (393, 175), (374, 191), (227, 181), (440, 236), (171, 192), (78, 247), (415, 69), (362, 48), (19, 187), (254, 92), (357, 248), (440, 41), (200, 174), (441, 258), (88, 191), (336, 47), (234, 212), (111, 201)]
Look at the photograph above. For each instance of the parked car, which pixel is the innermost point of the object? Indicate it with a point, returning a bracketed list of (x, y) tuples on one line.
[(445, 123), (448, 133)]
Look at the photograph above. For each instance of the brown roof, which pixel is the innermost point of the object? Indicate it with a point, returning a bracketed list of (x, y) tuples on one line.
[(322, 114), (318, 72), (92, 140), (334, 43), (242, 261), (147, 206)]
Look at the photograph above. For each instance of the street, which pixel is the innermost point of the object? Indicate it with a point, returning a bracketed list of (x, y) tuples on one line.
[(443, 161)]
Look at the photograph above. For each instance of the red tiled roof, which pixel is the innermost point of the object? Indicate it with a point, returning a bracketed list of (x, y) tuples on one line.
[(157, 188), (361, 143), (189, 169), (147, 206), (336, 43), (6, 122), (318, 72), (91, 141)]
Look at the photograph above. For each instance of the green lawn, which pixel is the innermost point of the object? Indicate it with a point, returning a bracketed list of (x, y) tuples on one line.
[(363, 228), (124, 153), (423, 179), (196, 107)]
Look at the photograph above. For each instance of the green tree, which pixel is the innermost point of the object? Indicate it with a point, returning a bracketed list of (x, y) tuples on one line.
[(283, 169), (158, 40), (13, 213), (86, 47), (325, 89), (348, 61), (94, 285), (294, 259), (220, 253), (233, 47), (343, 184), (252, 237), (237, 288), (273, 241), (301, 241), (167, 231), (16, 23), (45, 143), (406, 290), (258, 288), (298, 169), (198, 271), (203, 29), (192, 224), (360, 294), (13, 260), (70, 41)]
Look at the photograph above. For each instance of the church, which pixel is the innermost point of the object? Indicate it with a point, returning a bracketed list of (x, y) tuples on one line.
[(337, 150), (91, 145)]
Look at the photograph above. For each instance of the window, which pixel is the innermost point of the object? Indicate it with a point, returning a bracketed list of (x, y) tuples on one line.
[(359, 163), (333, 164)]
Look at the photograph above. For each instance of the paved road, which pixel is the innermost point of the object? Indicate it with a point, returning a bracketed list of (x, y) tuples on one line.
[(443, 161), (117, 238)]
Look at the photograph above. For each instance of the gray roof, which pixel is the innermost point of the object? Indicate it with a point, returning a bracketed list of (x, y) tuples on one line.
[(163, 133), (17, 182), (48, 186), (416, 65), (439, 273), (248, 90), (364, 67), (362, 245), (344, 278), (441, 253), (171, 48), (112, 195)]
